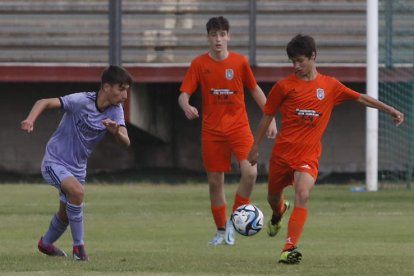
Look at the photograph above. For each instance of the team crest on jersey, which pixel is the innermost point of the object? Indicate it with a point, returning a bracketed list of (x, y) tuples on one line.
[(320, 93), (229, 74)]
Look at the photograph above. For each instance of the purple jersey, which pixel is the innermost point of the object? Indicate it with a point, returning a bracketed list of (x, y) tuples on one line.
[(79, 131)]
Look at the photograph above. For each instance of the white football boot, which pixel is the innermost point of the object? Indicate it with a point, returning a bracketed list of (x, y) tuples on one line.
[(218, 238), (229, 236)]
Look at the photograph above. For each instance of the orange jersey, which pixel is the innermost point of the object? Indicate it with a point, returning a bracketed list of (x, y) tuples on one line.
[(222, 85), (306, 107)]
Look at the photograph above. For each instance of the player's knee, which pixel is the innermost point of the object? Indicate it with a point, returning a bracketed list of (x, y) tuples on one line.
[(216, 180), (249, 176), (76, 195)]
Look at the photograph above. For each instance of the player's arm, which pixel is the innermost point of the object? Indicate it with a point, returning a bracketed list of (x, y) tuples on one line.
[(369, 101), (260, 98), (120, 132), (37, 109), (258, 137), (184, 101)]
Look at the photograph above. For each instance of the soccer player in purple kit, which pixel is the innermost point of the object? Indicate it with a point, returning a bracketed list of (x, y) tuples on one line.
[(86, 119)]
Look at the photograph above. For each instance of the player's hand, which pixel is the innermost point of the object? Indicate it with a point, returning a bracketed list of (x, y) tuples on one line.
[(398, 117), (253, 155), (111, 126), (27, 126), (271, 131), (191, 112)]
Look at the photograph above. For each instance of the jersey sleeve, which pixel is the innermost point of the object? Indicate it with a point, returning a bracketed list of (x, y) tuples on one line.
[(249, 79), (344, 93), (71, 102), (191, 79), (274, 99)]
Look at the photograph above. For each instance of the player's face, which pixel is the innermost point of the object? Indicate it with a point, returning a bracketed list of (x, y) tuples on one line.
[(218, 40), (303, 65), (118, 93)]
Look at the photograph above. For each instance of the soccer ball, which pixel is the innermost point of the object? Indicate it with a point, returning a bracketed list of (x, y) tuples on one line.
[(247, 220)]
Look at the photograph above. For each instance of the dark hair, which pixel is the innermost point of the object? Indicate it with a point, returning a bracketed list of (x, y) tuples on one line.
[(217, 23), (114, 74), (301, 45)]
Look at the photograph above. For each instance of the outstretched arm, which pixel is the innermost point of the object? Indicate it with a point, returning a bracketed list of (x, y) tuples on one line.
[(258, 137), (37, 109), (190, 111), (260, 98), (369, 101)]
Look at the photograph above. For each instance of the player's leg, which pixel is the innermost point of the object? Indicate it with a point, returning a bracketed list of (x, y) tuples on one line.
[(74, 191), (59, 221), (241, 197), (240, 143), (216, 188), (216, 158), (57, 227), (247, 181), (280, 176), (303, 184), (279, 208), (218, 205)]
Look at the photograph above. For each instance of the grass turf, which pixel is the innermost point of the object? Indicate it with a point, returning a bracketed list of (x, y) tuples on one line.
[(146, 229)]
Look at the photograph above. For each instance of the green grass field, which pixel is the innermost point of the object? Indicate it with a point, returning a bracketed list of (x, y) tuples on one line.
[(144, 229)]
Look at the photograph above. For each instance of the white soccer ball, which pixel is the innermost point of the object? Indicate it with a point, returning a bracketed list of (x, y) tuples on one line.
[(247, 220)]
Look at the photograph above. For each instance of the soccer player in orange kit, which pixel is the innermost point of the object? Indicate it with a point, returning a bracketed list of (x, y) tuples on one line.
[(222, 76), (305, 100)]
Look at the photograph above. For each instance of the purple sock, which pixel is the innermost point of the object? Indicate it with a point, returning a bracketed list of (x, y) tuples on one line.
[(56, 229), (75, 216)]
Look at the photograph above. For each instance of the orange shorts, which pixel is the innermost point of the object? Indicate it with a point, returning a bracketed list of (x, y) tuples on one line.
[(281, 173), (216, 151)]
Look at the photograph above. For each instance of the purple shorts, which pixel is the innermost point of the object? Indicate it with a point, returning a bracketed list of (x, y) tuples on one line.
[(54, 174)]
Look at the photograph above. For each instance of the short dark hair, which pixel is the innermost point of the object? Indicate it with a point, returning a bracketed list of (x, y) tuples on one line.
[(114, 74), (301, 45), (217, 23)]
